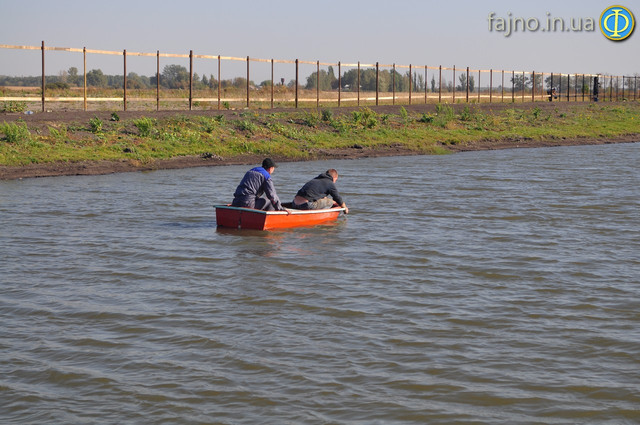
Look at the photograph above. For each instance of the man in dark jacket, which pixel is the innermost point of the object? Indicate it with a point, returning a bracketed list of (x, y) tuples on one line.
[(254, 184), (313, 195)]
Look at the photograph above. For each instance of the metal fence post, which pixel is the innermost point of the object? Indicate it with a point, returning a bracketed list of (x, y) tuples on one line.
[(377, 81), (124, 54), (219, 82), (158, 80), (611, 89), (358, 83), (467, 84), (533, 86), (440, 84), (393, 82), (190, 79), (490, 85), (339, 83), (43, 77), (248, 77), (84, 85), (318, 85), (410, 82), (426, 83), (454, 84)]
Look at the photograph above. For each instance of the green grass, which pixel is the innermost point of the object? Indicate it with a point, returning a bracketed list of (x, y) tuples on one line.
[(302, 134)]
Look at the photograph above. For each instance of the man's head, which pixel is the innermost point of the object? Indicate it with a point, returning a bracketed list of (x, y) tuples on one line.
[(333, 173), (269, 165)]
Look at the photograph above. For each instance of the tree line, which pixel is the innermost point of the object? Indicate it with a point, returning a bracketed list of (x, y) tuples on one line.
[(171, 77), (385, 80), (177, 77)]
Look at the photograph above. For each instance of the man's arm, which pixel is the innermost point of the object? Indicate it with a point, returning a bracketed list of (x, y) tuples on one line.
[(270, 192)]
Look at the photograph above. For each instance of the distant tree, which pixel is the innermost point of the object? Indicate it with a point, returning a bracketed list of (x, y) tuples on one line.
[(463, 82), (384, 82), (239, 82), (418, 82), (175, 77), (326, 80), (401, 81), (520, 82), (73, 76), (558, 81), (96, 78), (350, 79), (368, 79), (433, 83), (134, 81)]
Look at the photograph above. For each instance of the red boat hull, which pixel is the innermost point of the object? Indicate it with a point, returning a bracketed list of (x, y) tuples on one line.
[(247, 218)]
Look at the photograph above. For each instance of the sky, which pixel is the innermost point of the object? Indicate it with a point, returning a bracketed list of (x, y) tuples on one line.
[(403, 32)]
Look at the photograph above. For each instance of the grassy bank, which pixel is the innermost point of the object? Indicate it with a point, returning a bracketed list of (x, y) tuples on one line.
[(303, 134)]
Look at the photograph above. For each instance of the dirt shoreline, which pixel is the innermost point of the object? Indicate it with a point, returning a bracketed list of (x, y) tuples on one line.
[(110, 167)]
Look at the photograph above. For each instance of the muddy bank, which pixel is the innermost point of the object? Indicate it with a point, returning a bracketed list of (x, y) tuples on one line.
[(107, 167)]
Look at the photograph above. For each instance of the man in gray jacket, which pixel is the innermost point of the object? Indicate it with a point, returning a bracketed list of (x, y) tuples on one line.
[(254, 184), (314, 194)]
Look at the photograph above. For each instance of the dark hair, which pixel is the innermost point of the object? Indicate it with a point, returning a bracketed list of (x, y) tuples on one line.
[(268, 163)]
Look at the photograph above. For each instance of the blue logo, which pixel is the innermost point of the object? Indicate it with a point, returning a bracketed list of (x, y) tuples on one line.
[(617, 23)]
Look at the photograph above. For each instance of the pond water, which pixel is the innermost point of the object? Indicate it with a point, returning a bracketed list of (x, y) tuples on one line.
[(495, 287)]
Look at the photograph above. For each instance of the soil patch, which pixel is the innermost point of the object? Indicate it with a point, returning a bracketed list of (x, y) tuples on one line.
[(43, 120)]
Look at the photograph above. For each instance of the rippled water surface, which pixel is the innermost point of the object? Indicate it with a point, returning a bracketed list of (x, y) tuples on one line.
[(498, 287)]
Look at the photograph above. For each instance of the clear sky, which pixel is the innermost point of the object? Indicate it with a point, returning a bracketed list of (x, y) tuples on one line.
[(419, 32)]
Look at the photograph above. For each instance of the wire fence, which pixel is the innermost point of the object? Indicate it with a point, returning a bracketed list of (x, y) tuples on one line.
[(314, 84)]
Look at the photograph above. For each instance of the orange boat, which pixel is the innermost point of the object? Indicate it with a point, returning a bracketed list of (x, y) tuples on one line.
[(248, 218)]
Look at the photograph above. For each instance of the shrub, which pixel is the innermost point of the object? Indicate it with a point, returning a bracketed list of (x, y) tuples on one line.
[(536, 112), (95, 125), (15, 132), (427, 119), (327, 115), (310, 119), (340, 124), (444, 115), (404, 115), (144, 125), (58, 133), (57, 85), (246, 125), (365, 117), (12, 106), (466, 114)]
